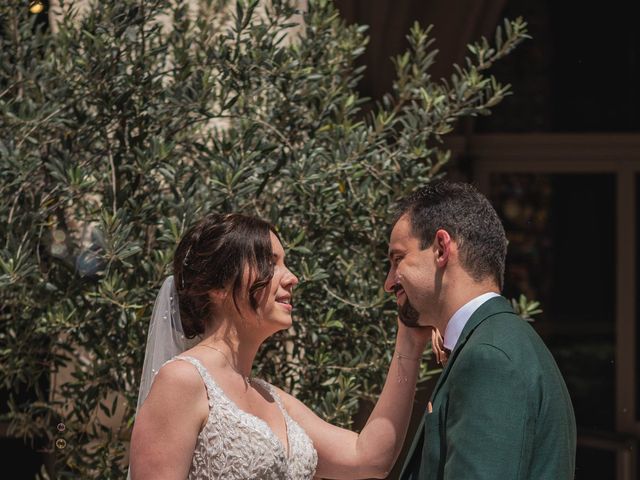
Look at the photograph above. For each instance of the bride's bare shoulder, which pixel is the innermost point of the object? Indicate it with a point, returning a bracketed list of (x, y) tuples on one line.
[(180, 376)]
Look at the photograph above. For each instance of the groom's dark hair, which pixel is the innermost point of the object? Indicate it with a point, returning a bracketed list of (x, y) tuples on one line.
[(213, 254), (469, 219)]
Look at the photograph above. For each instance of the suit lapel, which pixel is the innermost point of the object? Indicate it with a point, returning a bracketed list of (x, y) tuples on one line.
[(416, 445), (491, 307)]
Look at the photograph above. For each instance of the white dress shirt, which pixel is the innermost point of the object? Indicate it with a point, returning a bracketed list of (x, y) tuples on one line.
[(461, 317)]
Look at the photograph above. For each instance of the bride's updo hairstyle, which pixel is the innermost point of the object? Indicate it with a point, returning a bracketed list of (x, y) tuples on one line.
[(213, 254)]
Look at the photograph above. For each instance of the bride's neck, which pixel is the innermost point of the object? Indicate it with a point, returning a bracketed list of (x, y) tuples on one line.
[(239, 349)]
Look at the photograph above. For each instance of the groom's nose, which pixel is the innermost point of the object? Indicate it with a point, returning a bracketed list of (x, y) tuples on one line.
[(390, 281)]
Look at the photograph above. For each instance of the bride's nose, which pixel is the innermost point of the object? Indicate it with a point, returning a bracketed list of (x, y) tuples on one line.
[(289, 279)]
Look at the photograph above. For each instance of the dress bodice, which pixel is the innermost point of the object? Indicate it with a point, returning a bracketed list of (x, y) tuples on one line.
[(235, 444)]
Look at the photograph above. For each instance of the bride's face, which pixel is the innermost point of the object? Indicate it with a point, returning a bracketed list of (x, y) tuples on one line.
[(275, 301)]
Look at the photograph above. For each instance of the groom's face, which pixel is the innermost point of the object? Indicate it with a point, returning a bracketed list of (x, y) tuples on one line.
[(411, 274)]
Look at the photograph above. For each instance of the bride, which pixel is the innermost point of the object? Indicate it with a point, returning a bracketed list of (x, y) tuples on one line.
[(201, 415)]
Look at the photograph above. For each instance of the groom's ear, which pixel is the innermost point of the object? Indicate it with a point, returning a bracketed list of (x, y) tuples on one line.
[(442, 245)]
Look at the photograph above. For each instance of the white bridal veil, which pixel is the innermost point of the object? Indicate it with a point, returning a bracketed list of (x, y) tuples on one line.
[(166, 337)]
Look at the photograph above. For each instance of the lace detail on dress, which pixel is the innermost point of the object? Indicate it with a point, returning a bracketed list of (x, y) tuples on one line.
[(235, 444)]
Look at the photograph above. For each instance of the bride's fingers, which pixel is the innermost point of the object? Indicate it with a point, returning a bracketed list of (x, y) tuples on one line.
[(437, 345)]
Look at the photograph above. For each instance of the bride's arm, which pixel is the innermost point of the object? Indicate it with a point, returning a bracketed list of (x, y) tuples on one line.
[(167, 425), (343, 454)]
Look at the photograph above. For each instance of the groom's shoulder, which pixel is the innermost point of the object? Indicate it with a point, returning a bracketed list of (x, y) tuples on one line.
[(509, 332), (504, 325)]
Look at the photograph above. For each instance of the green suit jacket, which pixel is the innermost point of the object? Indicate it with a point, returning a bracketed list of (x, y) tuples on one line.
[(501, 409)]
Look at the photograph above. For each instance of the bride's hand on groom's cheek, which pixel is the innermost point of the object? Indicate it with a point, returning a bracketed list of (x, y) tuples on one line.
[(417, 337)]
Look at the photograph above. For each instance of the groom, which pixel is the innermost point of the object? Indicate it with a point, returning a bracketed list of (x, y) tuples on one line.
[(500, 409)]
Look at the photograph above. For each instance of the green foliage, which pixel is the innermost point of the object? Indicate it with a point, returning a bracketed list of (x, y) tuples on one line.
[(526, 308), (117, 132)]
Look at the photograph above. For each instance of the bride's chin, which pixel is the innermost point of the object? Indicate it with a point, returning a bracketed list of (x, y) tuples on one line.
[(286, 324), (281, 322)]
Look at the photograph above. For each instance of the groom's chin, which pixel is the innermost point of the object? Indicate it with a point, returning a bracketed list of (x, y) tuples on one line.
[(409, 315), (424, 321), (421, 322)]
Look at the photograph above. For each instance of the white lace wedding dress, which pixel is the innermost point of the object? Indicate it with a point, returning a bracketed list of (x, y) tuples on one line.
[(235, 445)]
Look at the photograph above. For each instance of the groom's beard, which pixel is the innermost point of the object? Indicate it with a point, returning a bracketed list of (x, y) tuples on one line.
[(407, 314)]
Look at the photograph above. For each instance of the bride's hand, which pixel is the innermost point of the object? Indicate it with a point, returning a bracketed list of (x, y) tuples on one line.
[(414, 339), (437, 345)]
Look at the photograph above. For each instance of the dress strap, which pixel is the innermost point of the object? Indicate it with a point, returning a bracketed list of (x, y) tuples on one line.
[(213, 391), (272, 391)]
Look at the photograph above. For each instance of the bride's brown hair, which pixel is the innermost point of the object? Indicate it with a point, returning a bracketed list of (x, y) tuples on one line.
[(213, 254)]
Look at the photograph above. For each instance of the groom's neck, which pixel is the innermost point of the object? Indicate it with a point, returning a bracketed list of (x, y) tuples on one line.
[(458, 294)]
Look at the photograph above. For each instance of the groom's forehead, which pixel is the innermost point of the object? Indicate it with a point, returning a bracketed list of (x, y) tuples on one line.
[(401, 236), (402, 230)]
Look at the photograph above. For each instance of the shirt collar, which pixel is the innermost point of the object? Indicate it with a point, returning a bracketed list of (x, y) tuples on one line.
[(461, 317)]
